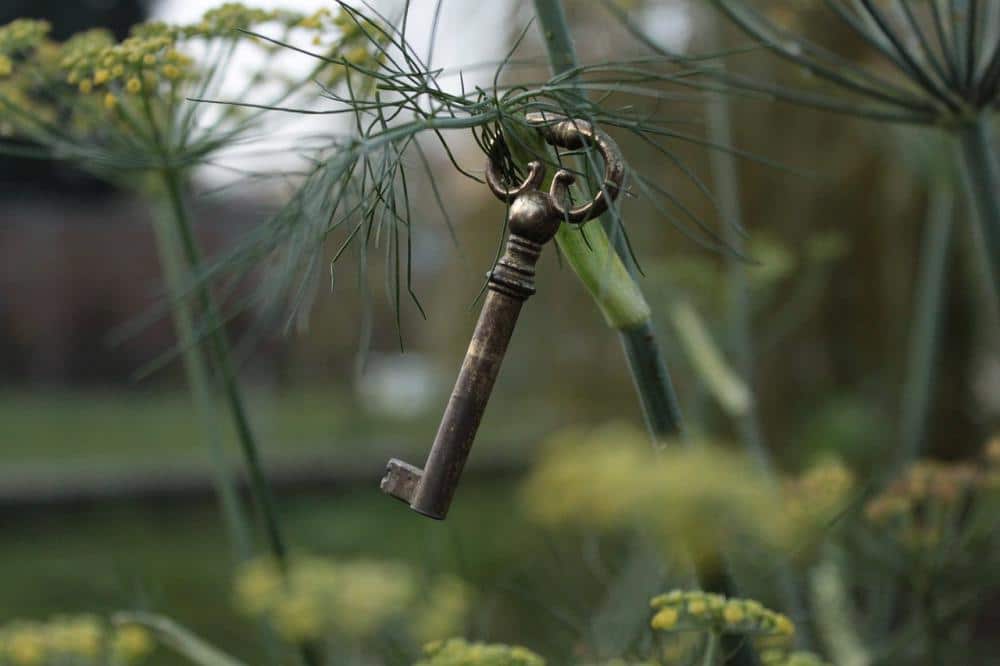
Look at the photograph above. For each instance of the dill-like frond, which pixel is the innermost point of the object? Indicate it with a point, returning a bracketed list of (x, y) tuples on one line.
[(357, 190)]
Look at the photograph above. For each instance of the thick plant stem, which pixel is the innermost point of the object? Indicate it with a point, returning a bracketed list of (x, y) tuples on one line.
[(652, 380), (601, 268), (738, 304), (981, 171), (218, 347), (739, 310), (930, 294), (591, 255), (197, 373)]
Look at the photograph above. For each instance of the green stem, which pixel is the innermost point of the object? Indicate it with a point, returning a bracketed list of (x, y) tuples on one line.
[(197, 373), (219, 348), (738, 302), (981, 172), (711, 650), (600, 266), (739, 324), (652, 380), (555, 30), (926, 319)]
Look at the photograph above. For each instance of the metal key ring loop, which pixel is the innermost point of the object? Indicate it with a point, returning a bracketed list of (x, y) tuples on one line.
[(571, 134)]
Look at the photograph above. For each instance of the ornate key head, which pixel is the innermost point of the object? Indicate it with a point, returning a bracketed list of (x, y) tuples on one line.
[(534, 217)]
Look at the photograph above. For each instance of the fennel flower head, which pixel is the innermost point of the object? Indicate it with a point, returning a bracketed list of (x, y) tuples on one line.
[(690, 612), (460, 652), (442, 610), (122, 105), (324, 598), (930, 500), (81, 640), (815, 498), (694, 499)]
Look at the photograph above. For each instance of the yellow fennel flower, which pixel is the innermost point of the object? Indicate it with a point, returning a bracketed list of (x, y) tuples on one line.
[(665, 619), (131, 643), (733, 613)]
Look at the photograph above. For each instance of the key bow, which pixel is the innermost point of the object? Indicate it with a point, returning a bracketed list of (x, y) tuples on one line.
[(571, 134)]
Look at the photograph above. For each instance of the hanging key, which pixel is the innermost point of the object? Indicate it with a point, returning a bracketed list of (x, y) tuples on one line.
[(534, 217)]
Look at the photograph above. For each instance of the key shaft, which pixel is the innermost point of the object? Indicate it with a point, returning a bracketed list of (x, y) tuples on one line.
[(511, 282)]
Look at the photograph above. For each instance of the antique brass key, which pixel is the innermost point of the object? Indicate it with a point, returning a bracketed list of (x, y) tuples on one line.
[(534, 217)]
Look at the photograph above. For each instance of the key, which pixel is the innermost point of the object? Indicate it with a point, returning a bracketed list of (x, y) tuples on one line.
[(534, 218)]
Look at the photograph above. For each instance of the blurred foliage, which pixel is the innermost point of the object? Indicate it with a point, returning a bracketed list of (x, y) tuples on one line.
[(525, 586)]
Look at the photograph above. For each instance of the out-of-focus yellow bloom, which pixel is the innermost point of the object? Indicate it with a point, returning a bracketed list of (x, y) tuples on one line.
[(783, 626), (696, 500), (131, 643), (697, 607), (6, 66), (134, 85), (926, 500), (80, 640), (443, 610), (733, 613), (258, 587), (460, 652), (23, 643), (227, 19), (298, 617), (991, 452), (665, 619), (326, 598), (369, 594), (359, 55), (781, 658), (110, 101), (21, 36), (815, 498), (75, 636), (86, 86)]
